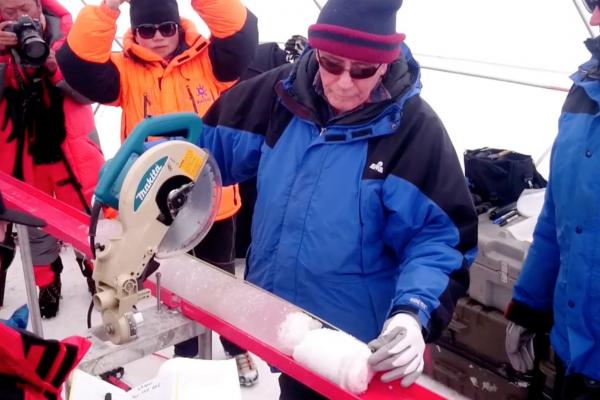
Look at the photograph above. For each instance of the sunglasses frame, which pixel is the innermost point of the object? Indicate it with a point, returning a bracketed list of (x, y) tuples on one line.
[(354, 74), (157, 28), (590, 5)]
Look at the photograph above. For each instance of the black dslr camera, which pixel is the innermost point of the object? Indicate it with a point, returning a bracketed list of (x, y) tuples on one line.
[(31, 47)]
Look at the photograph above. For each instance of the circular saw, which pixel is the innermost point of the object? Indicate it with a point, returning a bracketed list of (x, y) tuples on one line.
[(167, 193)]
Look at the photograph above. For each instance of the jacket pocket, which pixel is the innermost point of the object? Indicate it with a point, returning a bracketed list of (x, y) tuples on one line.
[(372, 225)]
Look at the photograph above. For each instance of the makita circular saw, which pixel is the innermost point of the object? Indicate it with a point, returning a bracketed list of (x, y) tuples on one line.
[(167, 192)]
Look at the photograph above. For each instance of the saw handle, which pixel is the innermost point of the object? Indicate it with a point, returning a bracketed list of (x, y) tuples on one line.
[(184, 125)]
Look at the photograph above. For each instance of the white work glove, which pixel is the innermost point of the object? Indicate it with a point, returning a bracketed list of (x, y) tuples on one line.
[(399, 350), (519, 347)]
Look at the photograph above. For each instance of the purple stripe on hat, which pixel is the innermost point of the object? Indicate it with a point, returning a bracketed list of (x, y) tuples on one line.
[(355, 44)]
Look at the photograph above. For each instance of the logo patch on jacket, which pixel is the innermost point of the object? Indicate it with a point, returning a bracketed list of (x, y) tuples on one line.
[(377, 167), (203, 94)]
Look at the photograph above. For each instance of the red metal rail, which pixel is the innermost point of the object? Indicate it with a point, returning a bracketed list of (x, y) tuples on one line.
[(377, 390), (63, 221), (71, 226)]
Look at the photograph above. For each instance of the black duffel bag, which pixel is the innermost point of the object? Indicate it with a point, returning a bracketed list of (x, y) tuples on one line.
[(499, 176)]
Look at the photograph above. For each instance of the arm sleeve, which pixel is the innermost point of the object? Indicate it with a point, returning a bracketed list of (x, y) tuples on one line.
[(58, 80), (531, 305), (234, 36), (85, 59), (237, 125)]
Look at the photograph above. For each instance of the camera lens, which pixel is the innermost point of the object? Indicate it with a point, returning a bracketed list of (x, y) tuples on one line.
[(36, 50), (31, 48)]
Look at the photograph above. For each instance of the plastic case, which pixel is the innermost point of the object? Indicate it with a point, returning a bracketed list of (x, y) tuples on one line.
[(477, 333), (497, 266), (471, 380), (479, 330)]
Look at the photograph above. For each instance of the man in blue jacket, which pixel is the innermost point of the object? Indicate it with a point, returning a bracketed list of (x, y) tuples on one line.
[(362, 215), (559, 287)]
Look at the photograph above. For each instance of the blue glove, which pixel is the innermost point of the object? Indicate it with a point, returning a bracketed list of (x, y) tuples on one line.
[(19, 318)]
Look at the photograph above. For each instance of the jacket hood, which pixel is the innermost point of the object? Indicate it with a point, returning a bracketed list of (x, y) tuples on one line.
[(402, 80), (193, 43)]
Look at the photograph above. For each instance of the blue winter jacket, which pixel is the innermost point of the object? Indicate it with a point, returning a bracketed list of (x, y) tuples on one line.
[(559, 285), (357, 217)]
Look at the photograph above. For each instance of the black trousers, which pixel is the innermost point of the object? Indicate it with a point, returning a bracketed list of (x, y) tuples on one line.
[(217, 248), (291, 389), (575, 386)]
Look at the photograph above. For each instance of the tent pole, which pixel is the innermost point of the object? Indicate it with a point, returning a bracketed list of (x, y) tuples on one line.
[(583, 18)]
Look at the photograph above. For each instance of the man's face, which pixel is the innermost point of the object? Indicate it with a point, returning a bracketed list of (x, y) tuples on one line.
[(12, 10), (595, 10), (164, 42), (343, 92)]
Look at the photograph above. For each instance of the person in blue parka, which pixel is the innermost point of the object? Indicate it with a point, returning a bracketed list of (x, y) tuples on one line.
[(559, 287), (362, 216)]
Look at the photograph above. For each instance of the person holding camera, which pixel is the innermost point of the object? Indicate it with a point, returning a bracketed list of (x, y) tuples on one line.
[(167, 66), (47, 133)]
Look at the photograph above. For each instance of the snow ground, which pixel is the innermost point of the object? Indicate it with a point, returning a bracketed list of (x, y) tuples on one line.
[(71, 320)]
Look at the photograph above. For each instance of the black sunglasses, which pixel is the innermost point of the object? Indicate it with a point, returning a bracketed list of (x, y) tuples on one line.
[(337, 67), (590, 5), (166, 29)]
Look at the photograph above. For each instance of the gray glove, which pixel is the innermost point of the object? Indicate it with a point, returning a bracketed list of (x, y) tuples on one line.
[(519, 347), (399, 350)]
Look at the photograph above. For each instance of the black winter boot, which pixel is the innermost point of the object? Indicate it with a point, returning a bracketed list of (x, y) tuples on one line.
[(49, 296)]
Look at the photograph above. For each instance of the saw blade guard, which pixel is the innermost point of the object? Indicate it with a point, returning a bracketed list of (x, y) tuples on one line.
[(195, 218)]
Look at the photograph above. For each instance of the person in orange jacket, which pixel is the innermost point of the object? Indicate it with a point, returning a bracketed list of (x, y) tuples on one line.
[(47, 134), (167, 66)]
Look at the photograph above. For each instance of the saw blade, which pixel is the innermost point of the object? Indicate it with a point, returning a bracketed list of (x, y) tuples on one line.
[(194, 218)]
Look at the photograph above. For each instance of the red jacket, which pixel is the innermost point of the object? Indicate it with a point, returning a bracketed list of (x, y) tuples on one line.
[(74, 178), (33, 368)]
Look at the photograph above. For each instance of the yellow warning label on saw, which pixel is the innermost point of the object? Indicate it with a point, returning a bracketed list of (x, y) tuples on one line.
[(192, 162)]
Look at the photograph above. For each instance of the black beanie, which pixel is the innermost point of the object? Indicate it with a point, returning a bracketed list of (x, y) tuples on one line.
[(363, 30), (153, 12)]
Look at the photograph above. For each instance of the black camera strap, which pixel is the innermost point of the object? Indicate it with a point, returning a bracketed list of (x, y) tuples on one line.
[(16, 116), (28, 112)]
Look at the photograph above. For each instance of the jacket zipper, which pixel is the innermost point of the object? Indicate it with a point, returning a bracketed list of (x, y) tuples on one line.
[(146, 104), (192, 98)]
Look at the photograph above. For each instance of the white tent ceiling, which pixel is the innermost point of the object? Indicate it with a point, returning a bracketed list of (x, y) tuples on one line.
[(534, 42)]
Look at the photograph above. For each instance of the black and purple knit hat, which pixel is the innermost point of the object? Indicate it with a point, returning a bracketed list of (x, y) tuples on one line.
[(363, 30)]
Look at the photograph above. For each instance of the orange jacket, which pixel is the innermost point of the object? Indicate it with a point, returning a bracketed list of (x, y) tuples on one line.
[(143, 84), (82, 155)]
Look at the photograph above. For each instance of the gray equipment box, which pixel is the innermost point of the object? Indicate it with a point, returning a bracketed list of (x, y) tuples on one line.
[(497, 266), (471, 380), (478, 330)]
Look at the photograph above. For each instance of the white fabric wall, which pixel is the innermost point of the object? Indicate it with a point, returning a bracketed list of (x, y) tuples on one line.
[(532, 41)]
